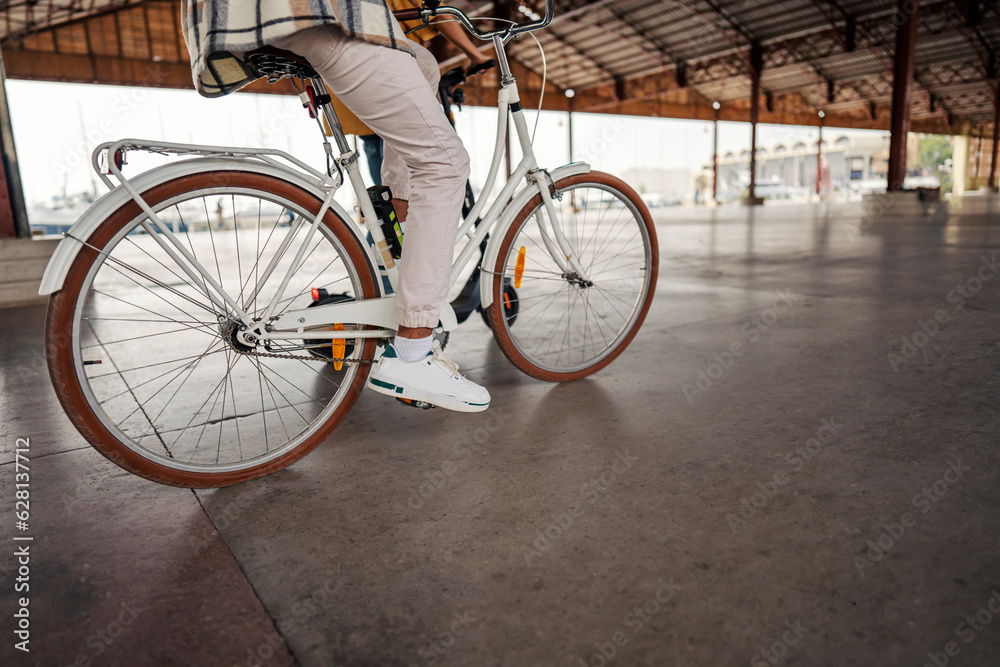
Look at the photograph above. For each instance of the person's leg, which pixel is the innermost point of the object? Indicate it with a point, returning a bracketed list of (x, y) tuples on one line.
[(394, 171), (386, 89), (395, 174), (373, 151)]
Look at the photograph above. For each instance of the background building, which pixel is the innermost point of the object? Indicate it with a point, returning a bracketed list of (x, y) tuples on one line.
[(854, 163)]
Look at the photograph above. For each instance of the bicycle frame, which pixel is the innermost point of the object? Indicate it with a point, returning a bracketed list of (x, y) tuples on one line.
[(509, 110)]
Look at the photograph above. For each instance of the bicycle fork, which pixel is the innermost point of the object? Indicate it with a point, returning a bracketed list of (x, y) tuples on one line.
[(557, 244)]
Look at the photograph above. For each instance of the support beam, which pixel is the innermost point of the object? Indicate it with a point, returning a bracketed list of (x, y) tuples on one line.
[(647, 43), (64, 68), (13, 213), (902, 83)]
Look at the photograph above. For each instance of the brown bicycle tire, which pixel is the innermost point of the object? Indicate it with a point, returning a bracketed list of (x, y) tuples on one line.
[(61, 314), (495, 311)]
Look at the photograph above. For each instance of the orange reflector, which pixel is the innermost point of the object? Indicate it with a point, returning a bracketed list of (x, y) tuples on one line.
[(315, 293), (519, 268), (338, 348)]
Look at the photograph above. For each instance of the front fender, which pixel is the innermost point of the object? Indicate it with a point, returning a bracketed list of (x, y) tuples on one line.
[(507, 218), (66, 251)]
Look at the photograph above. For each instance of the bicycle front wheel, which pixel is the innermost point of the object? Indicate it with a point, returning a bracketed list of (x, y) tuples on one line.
[(569, 326), (152, 372)]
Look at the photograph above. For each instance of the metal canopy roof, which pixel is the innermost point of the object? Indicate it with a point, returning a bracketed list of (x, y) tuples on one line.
[(834, 55), (643, 57)]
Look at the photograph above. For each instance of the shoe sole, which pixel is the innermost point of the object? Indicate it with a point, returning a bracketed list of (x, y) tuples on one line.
[(446, 402)]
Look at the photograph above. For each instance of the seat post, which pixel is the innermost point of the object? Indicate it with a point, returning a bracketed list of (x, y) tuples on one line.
[(331, 116)]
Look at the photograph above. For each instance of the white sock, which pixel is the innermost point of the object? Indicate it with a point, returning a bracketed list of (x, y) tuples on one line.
[(412, 349)]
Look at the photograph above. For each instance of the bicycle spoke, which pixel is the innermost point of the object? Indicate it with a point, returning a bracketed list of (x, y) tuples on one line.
[(134, 338), (192, 366), (158, 296), (260, 375), (157, 377), (153, 365), (211, 236), (168, 269), (161, 284), (289, 403)]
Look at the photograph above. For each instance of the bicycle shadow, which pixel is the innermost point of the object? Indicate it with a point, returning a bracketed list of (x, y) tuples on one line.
[(585, 410)]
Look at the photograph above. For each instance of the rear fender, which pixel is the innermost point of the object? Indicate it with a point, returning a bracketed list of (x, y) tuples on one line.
[(69, 247)]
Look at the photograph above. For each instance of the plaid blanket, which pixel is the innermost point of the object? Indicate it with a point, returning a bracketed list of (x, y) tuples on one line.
[(218, 32)]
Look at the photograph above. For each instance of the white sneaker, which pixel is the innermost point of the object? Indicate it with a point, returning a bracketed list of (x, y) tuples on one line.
[(434, 379)]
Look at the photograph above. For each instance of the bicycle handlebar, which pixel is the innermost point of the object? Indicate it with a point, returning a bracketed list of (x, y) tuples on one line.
[(426, 12)]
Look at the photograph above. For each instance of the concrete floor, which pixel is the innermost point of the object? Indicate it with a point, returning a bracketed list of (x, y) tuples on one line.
[(826, 496)]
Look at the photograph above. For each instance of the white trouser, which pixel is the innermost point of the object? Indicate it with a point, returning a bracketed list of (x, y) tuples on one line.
[(425, 161)]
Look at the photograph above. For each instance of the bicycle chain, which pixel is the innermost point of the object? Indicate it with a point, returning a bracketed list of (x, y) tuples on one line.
[(229, 332), (311, 357), (306, 358)]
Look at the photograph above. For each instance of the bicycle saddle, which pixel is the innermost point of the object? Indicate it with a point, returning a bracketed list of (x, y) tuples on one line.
[(276, 64)]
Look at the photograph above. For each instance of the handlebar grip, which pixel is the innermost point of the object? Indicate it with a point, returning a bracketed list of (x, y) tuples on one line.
[(481, 67), (407, 15)]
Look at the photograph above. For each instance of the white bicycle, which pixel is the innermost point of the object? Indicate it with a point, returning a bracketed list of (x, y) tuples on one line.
[(212, 320)]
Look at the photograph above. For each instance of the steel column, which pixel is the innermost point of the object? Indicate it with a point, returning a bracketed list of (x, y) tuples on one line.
[(8, 229), (753, 156), (819, 159), (715, 159), (569, 122), (979, 159), (756, 64), (996, 142), (902, 80), (13, 213)]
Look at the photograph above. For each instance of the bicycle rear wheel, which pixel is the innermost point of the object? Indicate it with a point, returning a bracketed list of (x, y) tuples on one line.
[(151, 372), (566, 327)]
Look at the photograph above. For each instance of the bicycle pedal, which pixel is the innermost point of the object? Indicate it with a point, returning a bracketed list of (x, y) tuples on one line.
[(441, 336), (416, 404)]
